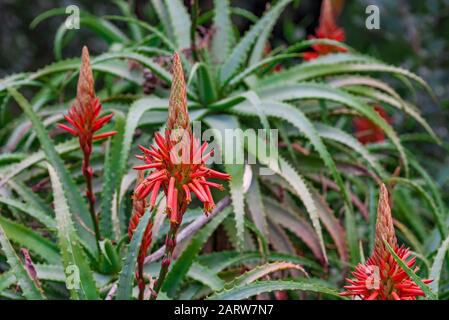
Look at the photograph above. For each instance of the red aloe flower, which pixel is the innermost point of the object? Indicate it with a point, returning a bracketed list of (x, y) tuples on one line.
[(368, 132), (84, 121), (327, 29), (177, 160), (178, 166), (138, 212), (381, 278), (83, 115)]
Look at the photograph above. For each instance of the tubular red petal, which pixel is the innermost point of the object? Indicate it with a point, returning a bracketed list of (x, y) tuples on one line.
[(160, 141), (103, 135), (68, 129), (212, 184), (216, 174), (99, 123), (142, 191), (174, 215), (148, 166), (201, 189), (154, 193), (373, 295), (171, 187), (187, 192), (71, 121), (96, 107), (144, 150), (157, 174), (198, 193)]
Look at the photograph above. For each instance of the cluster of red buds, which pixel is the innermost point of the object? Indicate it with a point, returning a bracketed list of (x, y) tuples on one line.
[(327, 29), (139, 207), (381, 277)]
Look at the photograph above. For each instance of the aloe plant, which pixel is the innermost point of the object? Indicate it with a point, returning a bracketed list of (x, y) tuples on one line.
[(305, 224)]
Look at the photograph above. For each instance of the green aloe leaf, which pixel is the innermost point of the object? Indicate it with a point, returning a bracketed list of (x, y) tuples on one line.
[(10, 171), (397, 103), (180, 23), (435, 272), (262, 271), (25, 281), (325, 92), (338, 64), (335, 134), (281, 167), (103, 28), (127, 11), (164, 18), (74, 198), (223, 124), (241, 50), (219, 261), (246, 291), (126, 279), (30, 239), (256, 207), (223, 38), (437, 214), (36, 213), (73, 256), (111, 181), (429, 294), (7, 279), (182, 265), (296, 224), (206, 276)]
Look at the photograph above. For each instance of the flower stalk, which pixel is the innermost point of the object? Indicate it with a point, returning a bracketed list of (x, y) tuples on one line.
[(83, 122)]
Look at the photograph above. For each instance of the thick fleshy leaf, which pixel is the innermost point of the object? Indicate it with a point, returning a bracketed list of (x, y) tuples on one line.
[(223, 37), (126, 279), (31, 240), (73, 257), (246, 291), (233, 164), (182, 265), (241, 50), (29, 288), (69, 189), (425, 288), (435, 272)]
